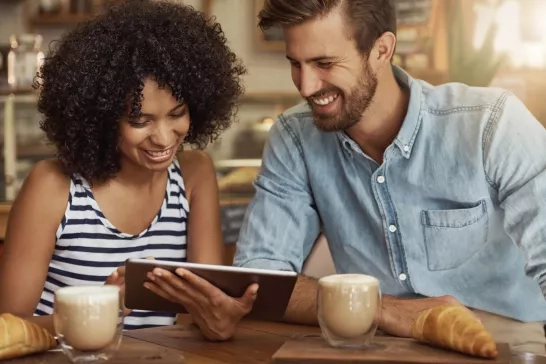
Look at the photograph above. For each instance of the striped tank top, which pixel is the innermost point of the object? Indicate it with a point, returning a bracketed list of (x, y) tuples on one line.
[(89, 248)]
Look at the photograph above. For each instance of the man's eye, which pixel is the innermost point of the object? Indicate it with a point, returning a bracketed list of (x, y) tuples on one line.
[(325, 64)]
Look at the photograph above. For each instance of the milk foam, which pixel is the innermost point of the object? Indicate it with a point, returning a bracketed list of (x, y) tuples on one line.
[(106, 293), (350, 279)]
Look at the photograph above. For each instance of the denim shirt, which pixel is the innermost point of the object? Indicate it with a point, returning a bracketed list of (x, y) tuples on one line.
[(458, 206)]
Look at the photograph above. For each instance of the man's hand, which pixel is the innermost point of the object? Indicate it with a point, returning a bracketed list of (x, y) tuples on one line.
[(398, 314), (216, 314)]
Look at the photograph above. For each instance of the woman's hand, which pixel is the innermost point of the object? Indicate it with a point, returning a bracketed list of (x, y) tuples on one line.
[(117, 278), (216, 313)]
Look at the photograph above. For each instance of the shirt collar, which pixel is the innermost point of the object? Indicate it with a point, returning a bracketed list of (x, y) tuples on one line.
[(412, 121)]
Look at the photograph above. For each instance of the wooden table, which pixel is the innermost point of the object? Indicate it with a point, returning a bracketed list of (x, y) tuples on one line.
[(5, 208), (255, 342), (133, 351)]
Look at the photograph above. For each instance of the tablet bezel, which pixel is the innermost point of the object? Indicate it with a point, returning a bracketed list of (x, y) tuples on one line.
[(275, 287)]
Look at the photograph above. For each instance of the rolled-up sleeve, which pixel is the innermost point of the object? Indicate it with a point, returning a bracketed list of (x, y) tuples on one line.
[(281, 222), (515, 163)]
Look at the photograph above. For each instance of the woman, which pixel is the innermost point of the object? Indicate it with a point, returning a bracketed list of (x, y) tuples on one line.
[(120, 95)]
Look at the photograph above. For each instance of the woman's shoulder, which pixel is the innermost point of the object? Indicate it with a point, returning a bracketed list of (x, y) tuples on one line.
[(196, 168), (49, 174), (47, 180), (194, 160), (44, 192)]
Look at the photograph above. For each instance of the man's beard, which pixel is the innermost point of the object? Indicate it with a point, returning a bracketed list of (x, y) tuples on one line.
[(352, 107)]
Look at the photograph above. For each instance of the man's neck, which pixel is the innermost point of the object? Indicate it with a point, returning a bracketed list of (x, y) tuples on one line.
[(383, 119)]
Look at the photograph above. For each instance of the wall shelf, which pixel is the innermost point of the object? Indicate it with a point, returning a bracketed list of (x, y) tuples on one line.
[(68, 12), (271, 97), (59, 19), (36, 150), (20, 92)]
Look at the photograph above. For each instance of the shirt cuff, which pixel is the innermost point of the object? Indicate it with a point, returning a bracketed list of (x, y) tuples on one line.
[(542, 283), (265, 264)]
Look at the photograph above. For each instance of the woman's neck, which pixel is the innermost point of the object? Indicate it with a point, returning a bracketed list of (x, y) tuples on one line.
[(137, 177)]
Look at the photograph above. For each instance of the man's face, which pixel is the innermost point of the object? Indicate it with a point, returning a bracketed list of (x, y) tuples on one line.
[(329, 71)]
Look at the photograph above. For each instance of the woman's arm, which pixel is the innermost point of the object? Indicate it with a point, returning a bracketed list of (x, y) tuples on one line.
[(30, 240), (204, 239), (215, 313)]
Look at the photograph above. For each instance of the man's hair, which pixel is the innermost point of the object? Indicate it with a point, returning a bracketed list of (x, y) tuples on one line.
[(368, 18)]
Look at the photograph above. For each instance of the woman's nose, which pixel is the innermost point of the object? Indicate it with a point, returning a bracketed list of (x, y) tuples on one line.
[(162, 135)]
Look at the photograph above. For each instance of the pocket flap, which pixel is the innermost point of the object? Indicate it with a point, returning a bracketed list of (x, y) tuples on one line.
[(454, 218)]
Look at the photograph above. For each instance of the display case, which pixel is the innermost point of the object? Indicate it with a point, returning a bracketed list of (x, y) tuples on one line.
[(21, 139)]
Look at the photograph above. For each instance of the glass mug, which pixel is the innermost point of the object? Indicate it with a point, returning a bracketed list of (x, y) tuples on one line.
[(88, 321), (349, 309)]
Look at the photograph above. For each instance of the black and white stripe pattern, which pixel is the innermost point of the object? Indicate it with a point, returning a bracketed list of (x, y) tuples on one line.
[(89, 248)]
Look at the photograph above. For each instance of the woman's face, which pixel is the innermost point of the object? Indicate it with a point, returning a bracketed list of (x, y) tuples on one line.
[(152, 140)]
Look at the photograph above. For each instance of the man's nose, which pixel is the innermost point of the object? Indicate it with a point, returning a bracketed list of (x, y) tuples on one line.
[(309, 82)]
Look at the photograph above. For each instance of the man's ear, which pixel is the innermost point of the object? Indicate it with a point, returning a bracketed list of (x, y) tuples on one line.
[(382, 51)]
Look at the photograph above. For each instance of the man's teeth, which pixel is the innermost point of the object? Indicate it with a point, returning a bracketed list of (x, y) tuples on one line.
[(159, 154), (324, 100)]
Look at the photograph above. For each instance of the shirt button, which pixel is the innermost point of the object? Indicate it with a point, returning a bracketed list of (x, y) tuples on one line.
[(406, 148), (392, 228), (380, 179), (402, 277)]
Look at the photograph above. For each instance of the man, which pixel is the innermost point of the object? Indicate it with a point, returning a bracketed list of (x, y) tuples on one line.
[(437, 191)]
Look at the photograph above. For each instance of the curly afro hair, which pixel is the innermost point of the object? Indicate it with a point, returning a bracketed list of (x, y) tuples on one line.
[(96, 74)]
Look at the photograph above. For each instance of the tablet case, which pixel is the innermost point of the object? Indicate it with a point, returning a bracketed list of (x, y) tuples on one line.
[(273, 294)]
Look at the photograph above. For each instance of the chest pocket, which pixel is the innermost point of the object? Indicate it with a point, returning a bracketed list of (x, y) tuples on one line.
[(452, 237)]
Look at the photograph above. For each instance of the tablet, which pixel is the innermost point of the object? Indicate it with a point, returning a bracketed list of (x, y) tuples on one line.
[(273, 294)]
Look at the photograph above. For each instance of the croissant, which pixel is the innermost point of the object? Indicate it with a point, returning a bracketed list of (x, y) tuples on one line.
[(19, 337), (454, 327)]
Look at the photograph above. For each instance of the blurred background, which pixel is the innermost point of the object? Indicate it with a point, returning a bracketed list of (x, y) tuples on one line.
[(478, 42)]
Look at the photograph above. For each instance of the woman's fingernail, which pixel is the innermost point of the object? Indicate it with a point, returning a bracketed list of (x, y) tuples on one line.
[(147, 285), (150, 276), (180, 272), (157, 272)]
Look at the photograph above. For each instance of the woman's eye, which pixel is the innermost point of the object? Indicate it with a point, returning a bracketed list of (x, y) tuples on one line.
[(138, 124), (179, 115)]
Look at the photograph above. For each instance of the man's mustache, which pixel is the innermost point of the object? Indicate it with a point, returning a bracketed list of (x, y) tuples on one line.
[(324, 92)]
